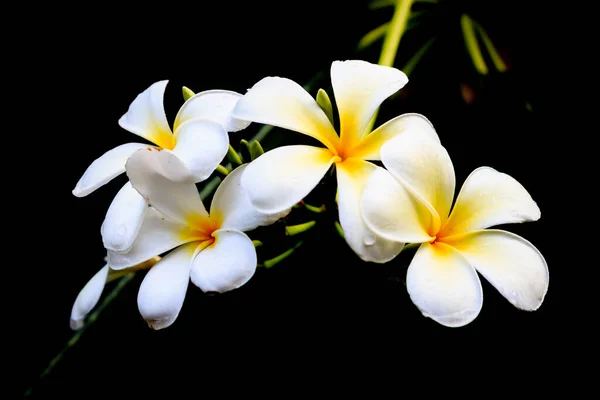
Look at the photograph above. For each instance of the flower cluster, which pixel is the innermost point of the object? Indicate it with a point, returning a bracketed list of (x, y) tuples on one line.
[(380, 209)]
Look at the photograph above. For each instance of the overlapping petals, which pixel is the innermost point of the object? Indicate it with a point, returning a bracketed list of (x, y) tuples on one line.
[(284, 176), (441, 279), (123, 219), (352, 176), (200, 141), (209, 248)]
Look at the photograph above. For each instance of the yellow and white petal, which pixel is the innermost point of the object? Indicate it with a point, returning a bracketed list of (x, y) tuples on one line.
[(88, 298), (282, 102), (392, 212), (359, 88), (443, 285), (214, 105), (369, 147), (352, 176), (163, 289), (146, 116), (225, 265), (424, 167), (201, 145), (123, 219), (489, 198), (232, 205), (165, 181), (282, 177), (157, 235), (509, 262), (108, 166)]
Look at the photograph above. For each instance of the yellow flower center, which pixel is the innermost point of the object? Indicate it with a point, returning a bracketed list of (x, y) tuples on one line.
[(202, 229)]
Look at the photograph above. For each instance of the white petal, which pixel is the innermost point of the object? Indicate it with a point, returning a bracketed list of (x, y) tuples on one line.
[(146, 116), (352, 175), (214, 105), (489, 198), (232, 205), (424, 167), (157, 235), (88, 298), (509, 262), (282, 102), (164, 180), (359, 88), (393, 212), (163, 289), (110, 165), (369, 147), (225, 265), (123, 219), (282, 177), (443, 285), (201, 145)]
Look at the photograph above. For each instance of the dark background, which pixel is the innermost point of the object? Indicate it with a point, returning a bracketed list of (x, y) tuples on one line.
[(323, 313)]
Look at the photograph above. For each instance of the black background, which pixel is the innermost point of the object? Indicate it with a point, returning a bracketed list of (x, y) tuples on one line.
[(323, 315)]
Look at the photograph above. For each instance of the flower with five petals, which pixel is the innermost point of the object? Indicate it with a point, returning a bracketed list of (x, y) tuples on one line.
[(211, 249), (412, 203), (199, 139), (282, 177)]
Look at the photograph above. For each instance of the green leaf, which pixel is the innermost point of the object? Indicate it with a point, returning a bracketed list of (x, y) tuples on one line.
[(466, 24), (373, 36), (377, 4), (414, 60), (491, 49), (256, 150), (187, 93), (324, 102)]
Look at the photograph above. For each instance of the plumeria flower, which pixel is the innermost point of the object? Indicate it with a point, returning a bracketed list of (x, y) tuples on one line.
[(200, 140), (282, 177), (412, 202), (211, 249)]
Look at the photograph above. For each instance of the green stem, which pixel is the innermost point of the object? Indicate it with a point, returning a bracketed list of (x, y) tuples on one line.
[(292, 230), (338, 229), (316, 210), (392, 41), (276, 260), (93, 317), (223, 170)]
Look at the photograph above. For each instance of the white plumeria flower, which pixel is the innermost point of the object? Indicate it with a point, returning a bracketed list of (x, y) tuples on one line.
[(200, 140), (282, 177), (412, 202), (211, 249)]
